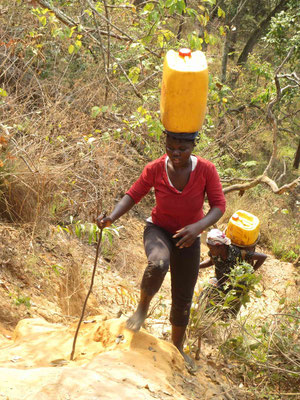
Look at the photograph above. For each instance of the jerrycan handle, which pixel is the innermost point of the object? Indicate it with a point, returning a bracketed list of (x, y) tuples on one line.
[(185, 52)]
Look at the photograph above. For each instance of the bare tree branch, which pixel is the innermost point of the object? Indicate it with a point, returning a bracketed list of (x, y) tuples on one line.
[(282, 189), (272, 119), (108, 45), (68, 21), (270, 115), (263, 179), (65, 19), (108, 21), (283, 172), (243, 186)]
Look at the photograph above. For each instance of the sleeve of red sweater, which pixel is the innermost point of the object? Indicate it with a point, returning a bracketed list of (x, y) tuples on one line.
[(214, 189), (142, 186)]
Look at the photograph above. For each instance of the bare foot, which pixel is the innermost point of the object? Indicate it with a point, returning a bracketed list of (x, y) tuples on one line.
[(135, 322)]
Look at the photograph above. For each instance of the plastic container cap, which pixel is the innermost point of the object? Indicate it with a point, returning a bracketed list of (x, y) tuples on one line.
[(235, 216), (185, 52)]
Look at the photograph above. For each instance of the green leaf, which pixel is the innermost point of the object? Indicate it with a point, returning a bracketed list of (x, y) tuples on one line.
[(88, 12), (149, 7), (251, 163), (134, 73), (95, 111), (180, 6), (210, 2), (254, 346), (169, 3), (160, 41), (221, 13), (3, 93), (282, 300), (43, 20)]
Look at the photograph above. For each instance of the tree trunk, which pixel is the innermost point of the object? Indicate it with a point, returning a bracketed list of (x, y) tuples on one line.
[(259, 31), (181, 23), (231, 36), (225, 57), (297, 157)]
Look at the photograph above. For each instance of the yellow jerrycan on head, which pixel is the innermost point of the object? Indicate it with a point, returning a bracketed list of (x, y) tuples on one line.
[(184, 91), (243, 229)]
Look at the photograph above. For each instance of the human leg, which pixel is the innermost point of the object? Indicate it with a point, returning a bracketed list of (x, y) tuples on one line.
[(184, 274), (157, 243), (137, 319)]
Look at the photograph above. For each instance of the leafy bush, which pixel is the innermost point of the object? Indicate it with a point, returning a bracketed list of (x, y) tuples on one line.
[(270, 349), (212, 305)]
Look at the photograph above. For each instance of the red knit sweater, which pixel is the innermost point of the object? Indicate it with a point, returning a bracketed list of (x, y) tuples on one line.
[(174, 209)]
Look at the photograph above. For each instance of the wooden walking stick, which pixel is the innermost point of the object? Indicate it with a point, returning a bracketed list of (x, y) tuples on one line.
[(87, 296)]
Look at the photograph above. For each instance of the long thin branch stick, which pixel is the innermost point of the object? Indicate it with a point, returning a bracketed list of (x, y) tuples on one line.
[(108, 21), (108, 46), (270, 115), (87, 296)]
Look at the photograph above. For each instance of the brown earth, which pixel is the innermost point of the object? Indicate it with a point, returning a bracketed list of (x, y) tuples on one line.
[(46, 282)]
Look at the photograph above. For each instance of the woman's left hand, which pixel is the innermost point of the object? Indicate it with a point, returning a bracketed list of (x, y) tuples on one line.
[(188, 235)]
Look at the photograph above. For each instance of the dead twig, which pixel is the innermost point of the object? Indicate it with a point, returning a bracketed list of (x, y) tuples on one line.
[(87, 296)]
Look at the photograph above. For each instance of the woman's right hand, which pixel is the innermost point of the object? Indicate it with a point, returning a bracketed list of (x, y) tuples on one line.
[(103, 221)]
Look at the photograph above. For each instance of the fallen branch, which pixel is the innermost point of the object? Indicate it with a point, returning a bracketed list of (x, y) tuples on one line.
[(263, 179), (282, 189)]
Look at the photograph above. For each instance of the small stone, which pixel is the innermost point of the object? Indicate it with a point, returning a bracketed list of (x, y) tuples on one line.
[(16, 359)]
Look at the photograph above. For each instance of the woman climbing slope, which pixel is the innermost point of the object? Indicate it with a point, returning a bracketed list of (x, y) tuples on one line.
[(171, 236)]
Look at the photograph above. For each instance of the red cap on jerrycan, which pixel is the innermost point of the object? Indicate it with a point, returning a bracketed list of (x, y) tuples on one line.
[(185, 52)]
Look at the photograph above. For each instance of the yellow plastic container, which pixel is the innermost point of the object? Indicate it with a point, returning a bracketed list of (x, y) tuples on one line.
[(184, 91), (243, 228)]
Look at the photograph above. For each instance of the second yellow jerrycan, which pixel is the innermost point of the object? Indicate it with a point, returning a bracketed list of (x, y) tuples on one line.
[(184, 91), (243, 228)]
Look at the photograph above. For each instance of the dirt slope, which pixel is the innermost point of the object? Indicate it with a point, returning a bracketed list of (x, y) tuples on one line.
[(110, 362)]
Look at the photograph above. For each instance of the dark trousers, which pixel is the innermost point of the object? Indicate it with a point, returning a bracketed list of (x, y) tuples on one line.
[(162, 252)]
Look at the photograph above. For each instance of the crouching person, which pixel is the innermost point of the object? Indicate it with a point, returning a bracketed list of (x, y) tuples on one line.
[(225, 257)]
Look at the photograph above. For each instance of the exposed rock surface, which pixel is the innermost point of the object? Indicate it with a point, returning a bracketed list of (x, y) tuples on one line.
[(110, 362)]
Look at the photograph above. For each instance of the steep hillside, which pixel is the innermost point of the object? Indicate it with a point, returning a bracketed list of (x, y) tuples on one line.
[(110, 361)]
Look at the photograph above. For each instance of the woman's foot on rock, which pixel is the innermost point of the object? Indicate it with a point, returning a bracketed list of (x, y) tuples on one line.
[(135, 322)]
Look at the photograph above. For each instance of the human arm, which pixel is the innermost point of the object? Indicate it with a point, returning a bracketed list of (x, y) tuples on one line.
[(260, 258), (217, 202), (206, 263), (137, 191), (122, 207)]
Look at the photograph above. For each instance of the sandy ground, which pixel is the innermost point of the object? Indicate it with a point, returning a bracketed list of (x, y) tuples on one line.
[(110, 361)]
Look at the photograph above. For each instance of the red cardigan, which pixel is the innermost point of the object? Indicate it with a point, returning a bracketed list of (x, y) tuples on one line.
[(174, 209)]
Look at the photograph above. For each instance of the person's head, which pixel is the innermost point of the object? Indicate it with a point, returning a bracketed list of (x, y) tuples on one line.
[(216, 249), (217, 242), (179, 150)]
